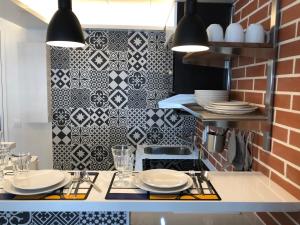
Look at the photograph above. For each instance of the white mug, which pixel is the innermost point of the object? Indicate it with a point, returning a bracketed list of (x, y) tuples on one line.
[(215, 32), (234, 33), (255, 34)]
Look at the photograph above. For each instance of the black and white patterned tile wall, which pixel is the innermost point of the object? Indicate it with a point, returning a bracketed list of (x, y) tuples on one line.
[(107, 93), (104, 94)]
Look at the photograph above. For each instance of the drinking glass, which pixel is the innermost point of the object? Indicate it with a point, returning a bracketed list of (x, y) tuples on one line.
[(123, 159), (21, 162), (129, 166), (4, 158)]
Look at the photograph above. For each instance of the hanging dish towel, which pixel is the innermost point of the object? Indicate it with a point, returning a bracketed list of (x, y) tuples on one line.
[(239, 159)]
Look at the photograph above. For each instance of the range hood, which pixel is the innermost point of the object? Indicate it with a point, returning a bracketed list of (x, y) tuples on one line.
[(176, 101)]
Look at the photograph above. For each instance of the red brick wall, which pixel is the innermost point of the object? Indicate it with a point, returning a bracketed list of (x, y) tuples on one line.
[(282, 164)]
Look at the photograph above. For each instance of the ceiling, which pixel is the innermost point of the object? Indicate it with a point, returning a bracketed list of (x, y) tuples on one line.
[(11, 12), (121, 14)]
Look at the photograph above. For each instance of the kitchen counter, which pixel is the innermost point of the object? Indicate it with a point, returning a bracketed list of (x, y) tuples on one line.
[(240, 192)]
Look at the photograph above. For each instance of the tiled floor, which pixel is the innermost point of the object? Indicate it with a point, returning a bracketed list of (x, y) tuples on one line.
[(193, 219)]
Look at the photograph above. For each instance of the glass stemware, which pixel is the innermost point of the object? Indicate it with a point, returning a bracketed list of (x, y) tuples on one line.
[(123, 161)]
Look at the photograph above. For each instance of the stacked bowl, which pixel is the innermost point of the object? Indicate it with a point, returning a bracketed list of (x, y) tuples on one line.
[(206, 97)]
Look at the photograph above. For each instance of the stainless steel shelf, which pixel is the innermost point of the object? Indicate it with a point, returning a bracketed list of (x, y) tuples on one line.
[(224, 51), (252, 121), (220, 54)]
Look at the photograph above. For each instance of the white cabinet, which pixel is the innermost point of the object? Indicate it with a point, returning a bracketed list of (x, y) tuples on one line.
[(34, 83)]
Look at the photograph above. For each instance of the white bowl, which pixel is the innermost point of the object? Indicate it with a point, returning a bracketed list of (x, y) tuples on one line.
[(215, 32), (255, 34), (211, 95), (206, 97), (234, 33), (204, 101)]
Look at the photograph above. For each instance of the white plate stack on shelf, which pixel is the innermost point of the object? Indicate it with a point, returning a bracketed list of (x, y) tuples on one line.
[(36, 182), (206, 97), (231, 108), (163, 181)]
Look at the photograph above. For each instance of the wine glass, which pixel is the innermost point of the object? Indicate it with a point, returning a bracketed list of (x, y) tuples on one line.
[(123, 156)]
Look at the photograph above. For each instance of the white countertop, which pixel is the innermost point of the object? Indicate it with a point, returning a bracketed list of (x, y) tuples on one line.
[(240, 192)]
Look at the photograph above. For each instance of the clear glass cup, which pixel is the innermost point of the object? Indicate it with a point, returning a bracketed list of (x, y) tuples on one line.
[(123, 161), (21, 163), (4, 158), (129, 166)]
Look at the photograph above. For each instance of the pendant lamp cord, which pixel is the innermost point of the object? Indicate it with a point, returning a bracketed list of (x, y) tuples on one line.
[(190, 7), (65, 4)]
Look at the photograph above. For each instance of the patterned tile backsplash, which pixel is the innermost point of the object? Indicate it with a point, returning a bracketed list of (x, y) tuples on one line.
[(102, 95), (107, 93)]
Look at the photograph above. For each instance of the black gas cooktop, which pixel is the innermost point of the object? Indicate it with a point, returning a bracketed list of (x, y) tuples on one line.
[(174, 164)]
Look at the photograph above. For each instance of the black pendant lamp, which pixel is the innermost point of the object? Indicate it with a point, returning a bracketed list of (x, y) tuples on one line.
[(64, 29), (190, 34)]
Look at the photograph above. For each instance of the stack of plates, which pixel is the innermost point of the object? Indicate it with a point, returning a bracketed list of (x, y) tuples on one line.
[(163, 181), (231, 108), (36, 182), (205, 97)]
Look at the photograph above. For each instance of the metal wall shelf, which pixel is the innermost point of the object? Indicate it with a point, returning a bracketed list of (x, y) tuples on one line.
[(220, 54), (251, 121), (224, 51)]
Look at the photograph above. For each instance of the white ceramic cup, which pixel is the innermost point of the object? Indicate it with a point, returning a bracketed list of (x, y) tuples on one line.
[(234, 33), (255, 34), (215, 32)]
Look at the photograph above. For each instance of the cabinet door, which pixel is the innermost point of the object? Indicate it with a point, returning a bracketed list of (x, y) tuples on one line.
[(34, 83)]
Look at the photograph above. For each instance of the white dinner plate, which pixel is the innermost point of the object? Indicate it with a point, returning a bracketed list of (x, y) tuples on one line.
[(37, 179), (230, 112), (139, 183), (203, 95), (9, 188), (249, 108), (231, 103), (211, 92), (230, 106), (163, 178)]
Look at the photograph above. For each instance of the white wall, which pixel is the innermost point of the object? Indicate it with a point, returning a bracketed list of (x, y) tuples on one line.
[(30, 137)]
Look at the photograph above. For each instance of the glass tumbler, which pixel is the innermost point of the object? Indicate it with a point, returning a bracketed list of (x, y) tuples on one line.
[(21, 162), (129, 166), (4, 158), (122, 155)]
